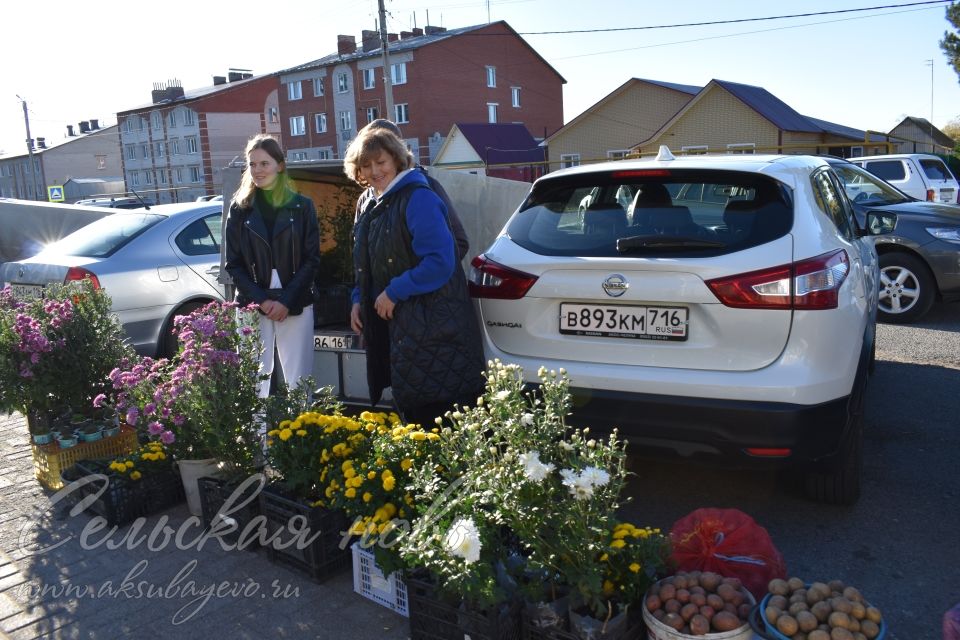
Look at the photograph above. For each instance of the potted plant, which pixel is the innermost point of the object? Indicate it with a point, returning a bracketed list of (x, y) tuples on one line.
[(90, 432)]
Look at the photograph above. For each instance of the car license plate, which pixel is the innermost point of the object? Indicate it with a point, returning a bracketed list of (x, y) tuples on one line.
[(622, 321), (332, 342), (26, 291), (946, 195)]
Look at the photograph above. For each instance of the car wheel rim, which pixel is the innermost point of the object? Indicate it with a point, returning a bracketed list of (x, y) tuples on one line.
[(899, 290)]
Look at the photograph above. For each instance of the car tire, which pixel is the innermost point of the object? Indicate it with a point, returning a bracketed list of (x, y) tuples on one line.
[(906, 288), (168, 341)]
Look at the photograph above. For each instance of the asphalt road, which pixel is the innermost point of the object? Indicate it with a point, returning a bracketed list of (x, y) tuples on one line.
[(900, 544)]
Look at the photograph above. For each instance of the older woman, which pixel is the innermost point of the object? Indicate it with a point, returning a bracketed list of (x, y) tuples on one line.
[(410, 301)]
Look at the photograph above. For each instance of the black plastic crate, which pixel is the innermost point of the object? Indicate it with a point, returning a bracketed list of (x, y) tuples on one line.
[(436, 618), (324, 556), (124, 500), (214, 493)]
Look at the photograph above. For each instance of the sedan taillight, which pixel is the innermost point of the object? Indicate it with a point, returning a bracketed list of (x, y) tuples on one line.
[(808, 284), (491, 280), (79, 273)]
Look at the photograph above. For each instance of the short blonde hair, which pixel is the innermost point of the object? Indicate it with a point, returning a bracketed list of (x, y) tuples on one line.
[(368, 144)]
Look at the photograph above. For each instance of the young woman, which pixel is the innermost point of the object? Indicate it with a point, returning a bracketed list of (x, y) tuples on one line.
[(411, 303), (272, 254)]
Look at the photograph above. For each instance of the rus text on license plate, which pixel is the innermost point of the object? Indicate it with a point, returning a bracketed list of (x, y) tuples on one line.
[(26, 291), (332, 342), (623, 321)]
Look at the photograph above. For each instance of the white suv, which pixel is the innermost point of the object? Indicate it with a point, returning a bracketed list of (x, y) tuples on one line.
[(730, 309), (920, 175)]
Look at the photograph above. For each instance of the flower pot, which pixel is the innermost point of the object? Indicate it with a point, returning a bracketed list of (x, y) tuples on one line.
[(190, 472), (547, 615), (66, 442), (43, 438), (111, 431), (587, 627), (90, 433)]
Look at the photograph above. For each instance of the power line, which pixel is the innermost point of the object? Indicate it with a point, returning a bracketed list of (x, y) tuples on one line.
[(734, 21)]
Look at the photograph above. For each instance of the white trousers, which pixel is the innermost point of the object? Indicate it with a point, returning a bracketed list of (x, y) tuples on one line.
[(293, 339)]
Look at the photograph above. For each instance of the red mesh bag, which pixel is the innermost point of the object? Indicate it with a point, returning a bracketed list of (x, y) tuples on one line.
[(728, 542)]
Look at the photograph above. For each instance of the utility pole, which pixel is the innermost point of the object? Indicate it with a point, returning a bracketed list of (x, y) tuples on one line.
[(387, 80), (33, 177), (930, 64)]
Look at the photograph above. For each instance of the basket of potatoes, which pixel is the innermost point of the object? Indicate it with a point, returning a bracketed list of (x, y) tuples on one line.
[(695, 604), (795, 610)]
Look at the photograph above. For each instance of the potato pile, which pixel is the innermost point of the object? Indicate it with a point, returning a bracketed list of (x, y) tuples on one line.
[(698, 603), (822, 611)]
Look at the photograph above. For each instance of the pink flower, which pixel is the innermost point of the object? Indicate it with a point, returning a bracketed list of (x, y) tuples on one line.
[(98, 401), (167, 437), (132, 415), (155, 428)]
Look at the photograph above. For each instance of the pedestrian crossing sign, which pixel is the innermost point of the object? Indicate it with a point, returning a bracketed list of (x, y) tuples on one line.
[(55, 193)]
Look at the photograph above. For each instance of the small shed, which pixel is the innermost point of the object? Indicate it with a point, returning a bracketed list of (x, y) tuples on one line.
[(502, 150), (82, 188)]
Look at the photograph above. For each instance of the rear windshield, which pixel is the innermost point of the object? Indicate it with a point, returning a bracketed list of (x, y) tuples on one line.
[(104, 237), (935, 169), (680, 212)]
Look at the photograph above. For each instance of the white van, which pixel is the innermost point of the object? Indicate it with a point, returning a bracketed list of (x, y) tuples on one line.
[(921, 175)]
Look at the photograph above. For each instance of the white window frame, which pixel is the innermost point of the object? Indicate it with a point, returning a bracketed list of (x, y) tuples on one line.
[(343, 83), (161, 177), (189, 117), (515, 97), (128, 125), (196, 174), (372, 114), (326, 154), (298, 126), (401, 113), (131, 152), (493, 112), (618, 154), (101, 161), (369, 78), (171, 119), (318, 87), (694, 150), (156, 120), (175, 147), (491, 76), (298, 156), (398, 73), (856, 152), (294, 90), (178, 175), (144, 150), (135, 178), (159, 148), (320, 122), (744, 148), (569, 160), (148, 177), (273, 115), (193, 145), (346, 120)]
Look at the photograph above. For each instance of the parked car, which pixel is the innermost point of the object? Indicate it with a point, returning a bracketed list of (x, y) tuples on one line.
[(920, 175), (738, 325), (154, 263), (919, 260), (115, 203)]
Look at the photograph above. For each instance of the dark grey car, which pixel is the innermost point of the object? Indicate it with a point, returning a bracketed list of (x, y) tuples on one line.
[(920, 260)]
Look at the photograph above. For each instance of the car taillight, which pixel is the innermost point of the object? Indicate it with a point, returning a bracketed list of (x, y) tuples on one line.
[(808, 284), (931, 195), (79, 273), (491, 280)]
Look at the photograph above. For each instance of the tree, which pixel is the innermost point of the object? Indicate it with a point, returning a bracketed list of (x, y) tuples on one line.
[(951, 41), (952, 129)]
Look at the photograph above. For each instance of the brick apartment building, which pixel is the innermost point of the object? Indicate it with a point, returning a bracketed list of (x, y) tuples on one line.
[(174, 149), (484, 74)]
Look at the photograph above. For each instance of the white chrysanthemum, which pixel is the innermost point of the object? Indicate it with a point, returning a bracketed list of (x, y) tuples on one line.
[(596, 477), (533, 468), (526, 419), (463, 540), (568, 477), (581, 488), (501, 395), (566, 446)]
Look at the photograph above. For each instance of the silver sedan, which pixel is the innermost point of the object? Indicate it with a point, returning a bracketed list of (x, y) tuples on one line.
[(154, 263)]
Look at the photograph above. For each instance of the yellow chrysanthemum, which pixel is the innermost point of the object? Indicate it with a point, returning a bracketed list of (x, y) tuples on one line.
[(135, 475), (367, 496), (406, 463), (371, 475), (608, 588), (301, 432), (635, 567), (350, 493), (129, 464), (618, 544), (285, 434), (604, 557), (389, 483)]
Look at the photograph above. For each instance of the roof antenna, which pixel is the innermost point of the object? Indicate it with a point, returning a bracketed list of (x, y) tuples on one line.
[(664, 153)]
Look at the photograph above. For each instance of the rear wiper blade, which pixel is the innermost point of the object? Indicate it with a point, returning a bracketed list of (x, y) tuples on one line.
[(665, 242)]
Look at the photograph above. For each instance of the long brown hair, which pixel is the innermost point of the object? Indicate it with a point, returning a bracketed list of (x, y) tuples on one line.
[(283, 189)]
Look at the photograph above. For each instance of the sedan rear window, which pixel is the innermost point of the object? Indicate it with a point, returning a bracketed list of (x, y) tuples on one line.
[(680, 212), (104, 237)]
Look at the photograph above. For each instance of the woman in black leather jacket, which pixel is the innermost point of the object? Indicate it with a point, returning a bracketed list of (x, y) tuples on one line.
[(272, 254)]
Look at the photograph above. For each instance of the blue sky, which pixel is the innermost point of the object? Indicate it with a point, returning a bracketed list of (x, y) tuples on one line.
[(75, 61)]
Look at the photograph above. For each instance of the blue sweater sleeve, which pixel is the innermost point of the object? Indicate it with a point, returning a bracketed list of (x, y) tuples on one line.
[(432, 243)]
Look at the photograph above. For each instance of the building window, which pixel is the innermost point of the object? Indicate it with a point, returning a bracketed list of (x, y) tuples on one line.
[(325, 154), (492, 112), (695, 150), (491, 77), (294, 90), (515, 97), (196, 175), (101, 162), (369, 81), (741, 148), (156, 120), (569, 160), (148, 177), (856, 152), (320, 122), (175, 147), (131, 152), (178, 175), (128, 125), (297, 126), (372, 114), (161, 177), (159, 147), (343, 83), (140, 124), (346, 121), (192, 145), (274, 115), (189, 118), (298, 155), (144, 151), (617, 154), (398, 73), (401, 113), (317, 87), (135, 178), (171, 118)]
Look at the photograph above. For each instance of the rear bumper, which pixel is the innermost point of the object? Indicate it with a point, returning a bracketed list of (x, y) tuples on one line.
[(715, 428)]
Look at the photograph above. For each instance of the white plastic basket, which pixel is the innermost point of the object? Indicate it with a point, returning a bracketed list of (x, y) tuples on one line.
[(369, 581)]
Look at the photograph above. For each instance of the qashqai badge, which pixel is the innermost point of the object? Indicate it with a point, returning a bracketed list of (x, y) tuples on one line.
[(615, 285)]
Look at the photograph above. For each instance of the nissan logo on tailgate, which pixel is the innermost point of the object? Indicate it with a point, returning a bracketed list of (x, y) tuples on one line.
[(615, 285)]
